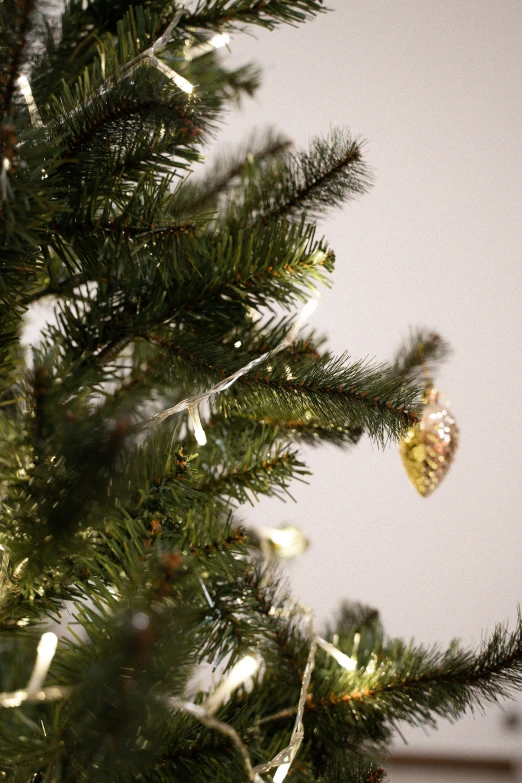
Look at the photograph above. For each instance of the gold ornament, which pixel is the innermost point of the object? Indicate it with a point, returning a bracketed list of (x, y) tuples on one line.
[(428, 448)]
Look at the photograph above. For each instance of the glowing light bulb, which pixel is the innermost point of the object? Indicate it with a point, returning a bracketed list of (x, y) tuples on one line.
[(25, 89), (281, 773), (350, 664), (239, 674), (182, 83), (307, 310), (220, 40), (216, 42), (44, 655), (287, 542), (24, 86), (199, 432)]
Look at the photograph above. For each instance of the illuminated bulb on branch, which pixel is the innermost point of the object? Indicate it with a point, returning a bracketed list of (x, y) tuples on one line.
[(216, 42), (281, 773), (238, 675), (6, 190), (171, 74), (25, 89), (199, 432), (220, 40), (286, 542), (350, 664), (44, 656), (309, 308)]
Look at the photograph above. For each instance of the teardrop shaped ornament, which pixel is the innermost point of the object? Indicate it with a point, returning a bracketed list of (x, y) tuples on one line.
[(428, 448)]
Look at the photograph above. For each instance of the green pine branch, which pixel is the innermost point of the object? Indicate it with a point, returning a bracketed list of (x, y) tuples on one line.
[(238, 271), (161, 284), (313, 182), (330, 391), (327, 390), (82, 26), (255, 464), (416, 684), (229, 14), (308, 431), (228, 168), (346, 767), (421, 354)]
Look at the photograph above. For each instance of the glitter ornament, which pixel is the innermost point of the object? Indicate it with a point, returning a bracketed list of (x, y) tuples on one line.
[(428, 448)]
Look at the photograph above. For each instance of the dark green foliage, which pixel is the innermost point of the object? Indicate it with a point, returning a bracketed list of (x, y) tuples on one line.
[(162, 284), (310, 182), (16, 19), (227, 14), (346, 768), (420, 354)]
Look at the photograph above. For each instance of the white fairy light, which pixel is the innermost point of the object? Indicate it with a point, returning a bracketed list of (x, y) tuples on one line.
[(147, 56), (199, 432), (286, 541), (216, 42), (285, 758), (281, 773), (44, 655), (25, 89), (350, 664), (17, 698), (219, 40), (33, 690), (6, 190), (170, 73), (306, 312), (226, 383), (238, 675)]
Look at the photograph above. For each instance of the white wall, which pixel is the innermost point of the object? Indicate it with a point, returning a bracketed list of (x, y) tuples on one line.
[(435, 89)]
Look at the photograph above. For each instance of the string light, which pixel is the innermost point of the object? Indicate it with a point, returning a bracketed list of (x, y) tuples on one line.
[(33, 690), (238, 675), (350, 664), (25, 89), (170, 73), (192, 403), (216, 42), (44, 655), (147, 56), (199, 432), (286, 542), (174, 702), (284, 759), (6, 190), (281, 773)]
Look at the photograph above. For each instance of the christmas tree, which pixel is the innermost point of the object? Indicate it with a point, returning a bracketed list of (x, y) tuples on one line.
[(176, 381)]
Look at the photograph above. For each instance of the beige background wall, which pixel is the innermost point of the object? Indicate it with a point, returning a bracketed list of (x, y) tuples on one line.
[(434, 87)]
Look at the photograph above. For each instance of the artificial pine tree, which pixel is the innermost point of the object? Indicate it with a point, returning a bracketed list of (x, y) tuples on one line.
[(166, 290)]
